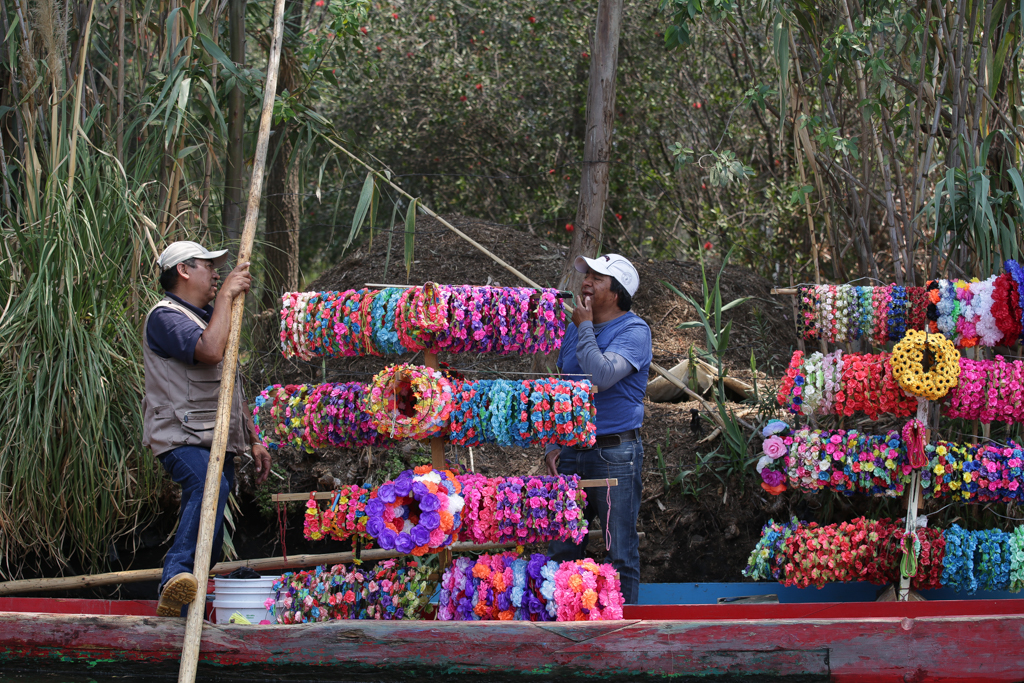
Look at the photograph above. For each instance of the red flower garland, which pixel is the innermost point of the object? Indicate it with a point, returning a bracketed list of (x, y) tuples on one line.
[(1006, 309)]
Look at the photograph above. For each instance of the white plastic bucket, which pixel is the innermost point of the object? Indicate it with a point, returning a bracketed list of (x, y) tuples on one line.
[(248, 597)]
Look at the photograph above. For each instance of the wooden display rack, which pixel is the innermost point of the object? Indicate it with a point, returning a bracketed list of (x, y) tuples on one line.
[(437, 459)]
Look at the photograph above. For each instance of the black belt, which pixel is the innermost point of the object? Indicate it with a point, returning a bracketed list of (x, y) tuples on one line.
[(609, 440)]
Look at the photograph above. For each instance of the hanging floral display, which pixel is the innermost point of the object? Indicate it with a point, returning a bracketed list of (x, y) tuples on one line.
[(417, 402), (807, 554), (976, 313), (344, 517), (417, 513), (850, 461), (409, 402), (390, 590), (391, 321), (508, 587), (467, 507)]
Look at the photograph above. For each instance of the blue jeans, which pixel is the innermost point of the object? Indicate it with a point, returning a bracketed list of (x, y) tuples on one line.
[(187, 466), (623, 462)]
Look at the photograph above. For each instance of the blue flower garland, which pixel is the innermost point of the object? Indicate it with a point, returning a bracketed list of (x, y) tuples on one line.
[(992, 566), (958, 561), (897, 316)]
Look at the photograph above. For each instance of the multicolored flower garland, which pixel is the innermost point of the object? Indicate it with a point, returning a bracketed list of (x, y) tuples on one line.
[(435, 508), (409, 402), (417, 513), (344, 517), (849, 461), (506, 587), (845, 461), (980, 312), (312, 416), (863, 550), (461, 319), (391, 590), (504, 412), (802, 555), (985, 390), (854, 382)]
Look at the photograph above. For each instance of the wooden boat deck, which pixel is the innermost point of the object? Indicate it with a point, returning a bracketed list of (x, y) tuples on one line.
[(969, 640)]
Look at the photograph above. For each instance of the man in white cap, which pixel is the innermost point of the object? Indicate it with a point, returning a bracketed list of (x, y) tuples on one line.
[(183, 346), (611, 347)]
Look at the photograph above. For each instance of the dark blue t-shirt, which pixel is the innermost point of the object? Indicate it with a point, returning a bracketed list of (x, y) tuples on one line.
[(172, 334), (620, 407)]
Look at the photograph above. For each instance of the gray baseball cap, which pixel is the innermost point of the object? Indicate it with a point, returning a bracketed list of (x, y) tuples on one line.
[(176, 252)]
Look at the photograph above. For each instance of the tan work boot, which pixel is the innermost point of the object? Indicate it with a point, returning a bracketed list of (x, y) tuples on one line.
[(178, 592)]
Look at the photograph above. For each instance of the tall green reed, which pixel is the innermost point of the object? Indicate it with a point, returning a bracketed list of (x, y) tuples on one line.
[(73, 473)]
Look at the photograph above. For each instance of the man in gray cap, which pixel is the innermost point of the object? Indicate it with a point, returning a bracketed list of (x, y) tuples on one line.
[(611, 347), (183, 348)]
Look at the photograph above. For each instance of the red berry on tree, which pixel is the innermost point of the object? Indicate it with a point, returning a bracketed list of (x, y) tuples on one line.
[(586, 56), (379, 48), (708, 245), (698, 105), (364, 29), (433, 18), (394, 15), (568, 227), (462, 99), (479, 86), (618, 216), (551, 172), (703, 186), (532, 20)]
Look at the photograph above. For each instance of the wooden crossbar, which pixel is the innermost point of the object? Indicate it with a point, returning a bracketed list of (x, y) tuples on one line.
[(289, 497)]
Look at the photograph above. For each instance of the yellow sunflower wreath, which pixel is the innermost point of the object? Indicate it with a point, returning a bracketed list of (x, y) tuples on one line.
[(908, 364)]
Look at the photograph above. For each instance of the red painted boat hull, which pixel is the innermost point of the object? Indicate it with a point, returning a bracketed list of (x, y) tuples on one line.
[(856, 642)]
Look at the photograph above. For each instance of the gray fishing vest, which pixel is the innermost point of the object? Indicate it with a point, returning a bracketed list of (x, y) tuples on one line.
[(180, 405)]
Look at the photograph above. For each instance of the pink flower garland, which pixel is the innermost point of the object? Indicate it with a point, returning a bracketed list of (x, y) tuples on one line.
[(587, 591)]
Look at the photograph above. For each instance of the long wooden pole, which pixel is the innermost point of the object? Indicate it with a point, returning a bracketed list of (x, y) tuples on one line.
[(67, 583), (211, 492)]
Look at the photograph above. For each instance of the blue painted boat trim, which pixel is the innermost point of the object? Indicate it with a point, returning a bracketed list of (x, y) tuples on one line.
[(708, 593)]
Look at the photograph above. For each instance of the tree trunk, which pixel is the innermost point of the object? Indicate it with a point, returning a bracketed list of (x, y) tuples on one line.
[(283, 201), (597, 149), (235, 171), (597, 143)]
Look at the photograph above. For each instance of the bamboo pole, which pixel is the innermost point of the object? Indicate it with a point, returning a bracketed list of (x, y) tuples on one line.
[(78, 103), (211, 490), (62, 583)]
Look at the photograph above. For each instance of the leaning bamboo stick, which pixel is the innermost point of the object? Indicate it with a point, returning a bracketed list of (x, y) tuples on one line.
[(426, 210), (67, 583), (211, 490)]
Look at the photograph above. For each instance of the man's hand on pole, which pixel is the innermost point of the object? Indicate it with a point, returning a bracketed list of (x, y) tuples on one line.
[(551, 459), (237, 281)]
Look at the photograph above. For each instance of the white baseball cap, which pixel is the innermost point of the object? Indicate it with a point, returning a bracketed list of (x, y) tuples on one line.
[(617, 266), (176, 252)]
